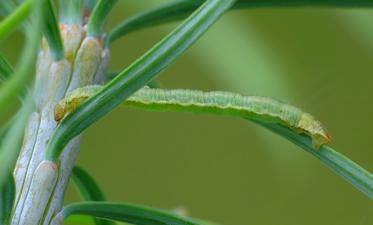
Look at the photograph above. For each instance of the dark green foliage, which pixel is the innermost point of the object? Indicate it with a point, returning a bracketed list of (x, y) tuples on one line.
[(134, 214), (88, 189), (7, 194)]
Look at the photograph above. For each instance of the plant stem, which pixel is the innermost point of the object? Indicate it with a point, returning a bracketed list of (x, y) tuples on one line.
[(38, 196)]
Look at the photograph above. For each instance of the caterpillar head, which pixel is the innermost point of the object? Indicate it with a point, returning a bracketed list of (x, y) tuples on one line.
[(320, 138), (315, 130), (59, 112), (76, 98), (68, 105), (319, 135)]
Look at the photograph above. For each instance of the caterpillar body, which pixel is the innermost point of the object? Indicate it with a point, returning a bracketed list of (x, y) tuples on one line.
[(215, 102)]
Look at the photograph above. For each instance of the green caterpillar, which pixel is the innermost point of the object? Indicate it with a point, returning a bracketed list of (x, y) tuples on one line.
[(215, 102)]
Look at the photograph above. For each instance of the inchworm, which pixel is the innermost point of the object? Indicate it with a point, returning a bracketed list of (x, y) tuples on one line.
[(215, 102)]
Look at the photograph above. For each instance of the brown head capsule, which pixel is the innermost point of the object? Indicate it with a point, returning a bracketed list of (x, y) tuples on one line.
[(70, 103)]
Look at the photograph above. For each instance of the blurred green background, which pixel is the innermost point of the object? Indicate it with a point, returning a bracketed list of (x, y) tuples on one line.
[(229, 170)]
